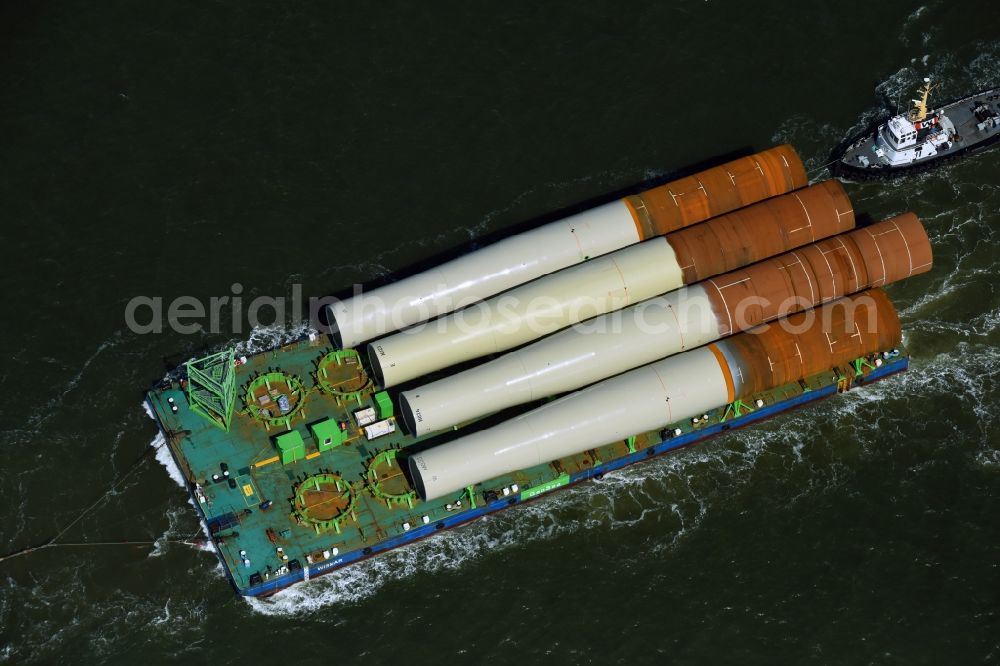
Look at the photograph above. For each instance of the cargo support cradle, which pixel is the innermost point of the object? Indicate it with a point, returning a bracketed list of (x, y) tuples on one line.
[(680, 441)]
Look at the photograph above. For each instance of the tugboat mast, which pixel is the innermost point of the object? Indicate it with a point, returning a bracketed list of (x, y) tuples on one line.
[(919, 111)]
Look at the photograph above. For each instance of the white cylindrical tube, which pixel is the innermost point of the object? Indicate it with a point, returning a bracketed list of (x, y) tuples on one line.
[(612, 343), (568, 360), (614, 281), (644, 399), (685, 386), (519, 259), (483, 273), (529, 312)]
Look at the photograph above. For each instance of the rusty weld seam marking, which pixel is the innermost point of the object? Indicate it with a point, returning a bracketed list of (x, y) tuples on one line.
[(906, 244), (850, 258), (809, 222), (833, 277), (680, 331), (576, 238), (812, 291), (621, 278), (693, 265), (725, 305), (730, 284), (880, 258), (666, 391)]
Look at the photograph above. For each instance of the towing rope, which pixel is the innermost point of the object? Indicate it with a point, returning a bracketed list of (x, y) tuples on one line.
[(53, 542)]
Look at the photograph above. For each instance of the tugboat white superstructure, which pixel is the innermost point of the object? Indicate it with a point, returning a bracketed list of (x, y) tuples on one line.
[(923, 137)]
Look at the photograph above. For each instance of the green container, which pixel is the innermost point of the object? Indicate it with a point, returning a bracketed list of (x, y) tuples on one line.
[(327, 434), (291, 447), (384, 404)]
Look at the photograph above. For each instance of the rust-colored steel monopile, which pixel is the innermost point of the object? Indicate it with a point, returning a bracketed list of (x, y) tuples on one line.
[(872, 256), (718, 190), (763, 230), (810, 342)]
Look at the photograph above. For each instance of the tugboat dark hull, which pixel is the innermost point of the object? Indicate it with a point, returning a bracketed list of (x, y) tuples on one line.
[(848, 172), (842, 160)]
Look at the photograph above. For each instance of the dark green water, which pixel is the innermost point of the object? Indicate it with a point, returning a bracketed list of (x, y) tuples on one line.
[(169, 149)]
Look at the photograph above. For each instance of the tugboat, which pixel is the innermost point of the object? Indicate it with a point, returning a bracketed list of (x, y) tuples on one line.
[(921, 139)]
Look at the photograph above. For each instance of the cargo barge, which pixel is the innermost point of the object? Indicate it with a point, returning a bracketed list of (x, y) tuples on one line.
[(759, 294)]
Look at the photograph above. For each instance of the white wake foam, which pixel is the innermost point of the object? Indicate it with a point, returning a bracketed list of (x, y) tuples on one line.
[(266, 338), (164, 457)]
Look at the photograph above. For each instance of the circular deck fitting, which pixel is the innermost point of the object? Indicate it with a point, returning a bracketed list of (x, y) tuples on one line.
[(341, 374), (324, 502), (275, 398), (386, 481)]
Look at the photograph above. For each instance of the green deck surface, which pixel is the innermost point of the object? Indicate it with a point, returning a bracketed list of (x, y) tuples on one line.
[(254, 459), (313, 443)]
